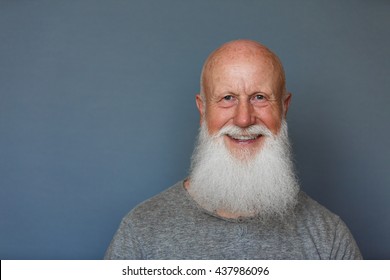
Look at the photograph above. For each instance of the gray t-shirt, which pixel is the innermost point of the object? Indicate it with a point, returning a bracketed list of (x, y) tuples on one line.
[(172, 225)]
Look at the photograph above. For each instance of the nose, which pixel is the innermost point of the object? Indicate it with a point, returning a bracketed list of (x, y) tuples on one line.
[(244, 115)]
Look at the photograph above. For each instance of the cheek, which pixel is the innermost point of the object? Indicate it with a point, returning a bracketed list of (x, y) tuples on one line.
[(216, 119), (272, 119), (213, 124), (274, 125)]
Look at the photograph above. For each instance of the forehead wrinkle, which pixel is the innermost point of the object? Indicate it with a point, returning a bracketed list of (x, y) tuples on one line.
[(245, 50), (248, 83)]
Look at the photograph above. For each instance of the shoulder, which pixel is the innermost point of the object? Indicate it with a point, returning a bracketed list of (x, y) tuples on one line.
[(317, 218), (325, 227), (160, 208), (314, 210), (150, 219)]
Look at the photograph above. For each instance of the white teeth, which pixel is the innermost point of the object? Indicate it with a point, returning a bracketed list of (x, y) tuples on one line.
[(244, 137)]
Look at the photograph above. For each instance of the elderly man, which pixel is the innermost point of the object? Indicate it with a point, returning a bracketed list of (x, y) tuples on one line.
[(242, 199)]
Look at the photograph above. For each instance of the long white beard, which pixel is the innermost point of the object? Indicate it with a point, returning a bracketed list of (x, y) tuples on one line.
[(262, 185)]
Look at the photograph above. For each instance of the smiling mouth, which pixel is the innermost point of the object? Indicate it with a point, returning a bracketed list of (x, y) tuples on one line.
[(244, 138)]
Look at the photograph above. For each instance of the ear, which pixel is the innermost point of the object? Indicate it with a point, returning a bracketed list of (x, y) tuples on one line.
[(286, 102), (200, 105)]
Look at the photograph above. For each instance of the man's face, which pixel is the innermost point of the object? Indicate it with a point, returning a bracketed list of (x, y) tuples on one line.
[(243, 92)]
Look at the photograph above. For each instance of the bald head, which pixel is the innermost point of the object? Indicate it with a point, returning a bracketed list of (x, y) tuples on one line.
[(242, 51)]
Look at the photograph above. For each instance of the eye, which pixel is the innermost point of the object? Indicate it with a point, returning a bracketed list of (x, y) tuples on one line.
[(228, 97), (227, 101), (259, 97)]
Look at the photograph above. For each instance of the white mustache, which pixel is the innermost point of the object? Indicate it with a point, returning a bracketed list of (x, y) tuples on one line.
[(251, 131)]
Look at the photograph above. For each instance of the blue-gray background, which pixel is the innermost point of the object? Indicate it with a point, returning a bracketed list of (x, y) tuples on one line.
[(97, 110)]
